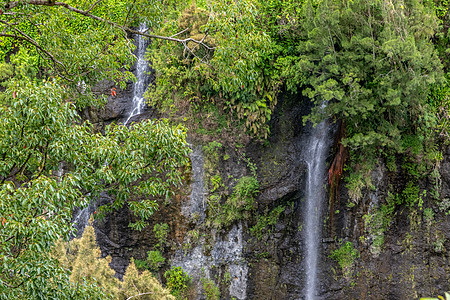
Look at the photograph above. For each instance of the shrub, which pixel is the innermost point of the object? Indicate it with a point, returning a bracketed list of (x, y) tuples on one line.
[(177, 282), (155, 260), (345, 256), (161, 232), (212, 291)]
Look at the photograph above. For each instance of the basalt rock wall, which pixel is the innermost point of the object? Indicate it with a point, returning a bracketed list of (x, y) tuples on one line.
[(267, 262)]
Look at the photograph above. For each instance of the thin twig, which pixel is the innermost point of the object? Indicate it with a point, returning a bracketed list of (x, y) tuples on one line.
[(14, 4), (183, 31), (93, 5), (141, 294)]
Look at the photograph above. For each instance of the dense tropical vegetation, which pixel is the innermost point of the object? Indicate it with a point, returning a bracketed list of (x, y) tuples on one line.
[(379, 68)]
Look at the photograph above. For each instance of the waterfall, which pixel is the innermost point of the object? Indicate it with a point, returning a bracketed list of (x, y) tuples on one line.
[(82, 214), (80, 220), (315, 158), (142, 69)]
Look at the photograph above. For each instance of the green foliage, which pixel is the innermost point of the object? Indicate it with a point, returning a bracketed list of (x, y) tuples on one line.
[(155, 260), (52, 162), (240, 203), (141, 265), (143, 284), (439, 244), (359, 177), (212, 147), (161, 232), (372, 64), (442, 38), (82, 41), (83, 259), (365, 59), (428, 216), (447, 297), (410, 196), (244, 192), (192, 238), (264, 224), (377, 223), (212, 291), (227, 75), (379, 109), (177, 282), (345, 256), (224, 208), (67, 44), (439, 100)]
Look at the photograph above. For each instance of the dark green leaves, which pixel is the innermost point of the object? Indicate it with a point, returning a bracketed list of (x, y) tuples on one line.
[(373, 63)]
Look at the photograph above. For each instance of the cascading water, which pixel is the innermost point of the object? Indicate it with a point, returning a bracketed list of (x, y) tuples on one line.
[(315, 158), (81, 217), (142, 69), (81, 220)]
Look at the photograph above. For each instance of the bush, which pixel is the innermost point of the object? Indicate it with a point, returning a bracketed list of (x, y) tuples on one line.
[(241, 202), (177, 282), (212, 291), (345, 256), (161, 232), (155, 260)]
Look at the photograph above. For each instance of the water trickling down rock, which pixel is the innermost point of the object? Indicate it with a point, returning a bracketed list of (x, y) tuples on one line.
[(142, 69), (195, 208), (315, 158)]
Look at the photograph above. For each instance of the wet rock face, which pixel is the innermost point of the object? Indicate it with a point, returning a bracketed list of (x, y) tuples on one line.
[(196, 207), (410, 264), (231, 253), (280, 169), (116, 107), (115, 238), (268, 266), (226, 255)]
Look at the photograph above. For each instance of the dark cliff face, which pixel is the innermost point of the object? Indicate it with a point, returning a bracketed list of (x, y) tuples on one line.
[(268, 262)]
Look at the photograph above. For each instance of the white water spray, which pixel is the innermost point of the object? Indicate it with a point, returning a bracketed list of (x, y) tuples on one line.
[(315, 158), (142, 69)]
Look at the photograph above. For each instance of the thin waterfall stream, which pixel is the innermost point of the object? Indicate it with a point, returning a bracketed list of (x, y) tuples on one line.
[(142, 69), (81, 218), (315, 158)]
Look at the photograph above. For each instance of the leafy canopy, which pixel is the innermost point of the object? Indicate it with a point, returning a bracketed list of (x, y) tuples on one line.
[(51, 163), (51, 160)]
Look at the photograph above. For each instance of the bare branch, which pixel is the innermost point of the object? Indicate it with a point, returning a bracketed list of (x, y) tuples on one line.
[(58, 65), (93, 5), (14, 4), (141, 294), (181, 32), (129, 11)]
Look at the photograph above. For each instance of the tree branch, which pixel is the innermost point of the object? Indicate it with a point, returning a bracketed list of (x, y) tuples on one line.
[(86, 13), (93, 5), (129, 11), (141, 294)]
